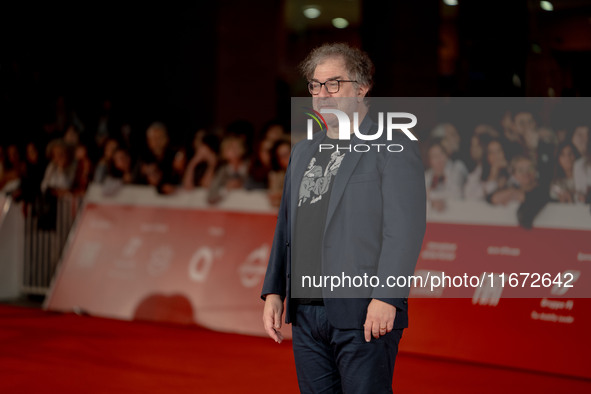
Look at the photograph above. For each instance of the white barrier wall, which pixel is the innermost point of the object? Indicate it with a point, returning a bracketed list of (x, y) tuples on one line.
[(12, 229), (554, 215)]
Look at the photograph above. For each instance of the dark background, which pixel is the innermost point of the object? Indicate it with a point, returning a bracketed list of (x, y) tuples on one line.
[(205, 64)]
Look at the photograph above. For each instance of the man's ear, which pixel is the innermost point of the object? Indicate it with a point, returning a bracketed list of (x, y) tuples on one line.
[(362, 90)]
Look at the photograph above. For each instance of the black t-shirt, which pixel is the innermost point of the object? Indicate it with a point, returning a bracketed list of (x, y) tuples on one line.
[(312, 206)]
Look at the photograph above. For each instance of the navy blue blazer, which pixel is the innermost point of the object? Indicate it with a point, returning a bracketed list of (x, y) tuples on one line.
[(375, 224)]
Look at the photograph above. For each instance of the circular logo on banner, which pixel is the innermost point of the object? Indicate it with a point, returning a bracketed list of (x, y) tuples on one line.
[(252, 271), (200, 264)]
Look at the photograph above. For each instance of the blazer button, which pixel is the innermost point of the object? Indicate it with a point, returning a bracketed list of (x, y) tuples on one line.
[(405, 301), (287, 244)]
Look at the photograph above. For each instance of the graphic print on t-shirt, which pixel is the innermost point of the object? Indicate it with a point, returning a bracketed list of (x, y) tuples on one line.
[(316, 181)]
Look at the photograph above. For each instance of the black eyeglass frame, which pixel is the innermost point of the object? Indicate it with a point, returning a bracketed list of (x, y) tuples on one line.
[(338, 81)]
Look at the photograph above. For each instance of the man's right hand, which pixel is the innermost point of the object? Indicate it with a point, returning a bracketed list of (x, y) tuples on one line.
[(272, 316)]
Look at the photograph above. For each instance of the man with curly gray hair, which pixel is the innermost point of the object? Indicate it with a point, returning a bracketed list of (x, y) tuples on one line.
[(359, 66), (350, 212)]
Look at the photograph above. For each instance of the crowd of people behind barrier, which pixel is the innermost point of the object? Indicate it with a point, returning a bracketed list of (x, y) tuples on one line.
[(38, 173), (514, 161)]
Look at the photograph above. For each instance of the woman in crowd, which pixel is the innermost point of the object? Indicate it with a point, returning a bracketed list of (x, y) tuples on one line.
[(482, 134), (580, 139), (582, 176), (102, 166), (119, 172), (443, 180), (72, 136), (179, 165), (279, 161), (480, 138), (449, 138), (11, 168), (201, 168), (83, 169), (258, 173), (273, 131), (562, 187), (120, 166), (492, 174)]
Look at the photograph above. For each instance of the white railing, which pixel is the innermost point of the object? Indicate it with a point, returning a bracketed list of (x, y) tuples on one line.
[(47, 225)]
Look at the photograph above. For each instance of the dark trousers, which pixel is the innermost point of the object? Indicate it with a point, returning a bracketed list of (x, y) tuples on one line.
[(332, 360)]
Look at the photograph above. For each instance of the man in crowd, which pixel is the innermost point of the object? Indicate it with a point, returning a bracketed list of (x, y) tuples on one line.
[(156, 164)]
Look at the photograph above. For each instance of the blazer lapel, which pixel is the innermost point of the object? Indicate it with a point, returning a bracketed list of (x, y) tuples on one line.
[(340, 181), (346, 170)]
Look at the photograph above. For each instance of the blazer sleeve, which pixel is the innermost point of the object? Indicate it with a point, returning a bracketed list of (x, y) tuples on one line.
[(276, 275)]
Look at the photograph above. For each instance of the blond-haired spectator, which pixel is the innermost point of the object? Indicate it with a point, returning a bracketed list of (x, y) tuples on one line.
[(60, 172), (233, 173)]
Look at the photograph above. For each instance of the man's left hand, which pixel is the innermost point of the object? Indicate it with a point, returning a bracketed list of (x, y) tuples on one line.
[(379, 319)]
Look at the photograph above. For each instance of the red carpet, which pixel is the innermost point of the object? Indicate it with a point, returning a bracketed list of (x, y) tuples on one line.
[(42, 352)]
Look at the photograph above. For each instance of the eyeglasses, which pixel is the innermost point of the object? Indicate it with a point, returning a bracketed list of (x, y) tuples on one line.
[(332, 86)]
